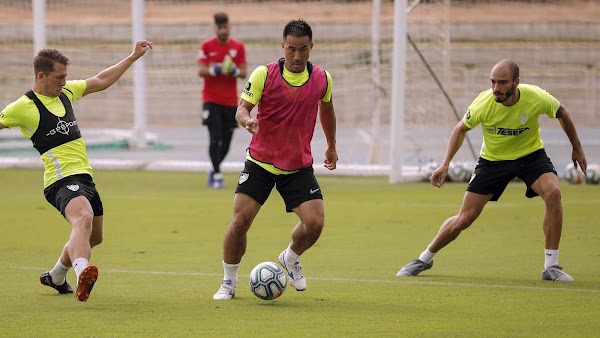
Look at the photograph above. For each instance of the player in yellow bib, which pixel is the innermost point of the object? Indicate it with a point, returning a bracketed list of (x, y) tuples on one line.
[(512, 147), (45, 115)]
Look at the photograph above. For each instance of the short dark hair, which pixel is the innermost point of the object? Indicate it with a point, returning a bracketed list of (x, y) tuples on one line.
[(297, 28), (45, 58), (512, 67), (221, 19)]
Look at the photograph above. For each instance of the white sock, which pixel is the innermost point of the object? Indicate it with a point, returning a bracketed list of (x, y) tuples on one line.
[(79, 264), (290, 256), (231, 272), (427, 256), (59, 273), (551, 258)]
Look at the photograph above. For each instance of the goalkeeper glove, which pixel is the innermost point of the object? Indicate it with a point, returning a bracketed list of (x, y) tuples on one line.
[(235, 71), (215, 70), (225, 68), (227, 65), (229, 68)]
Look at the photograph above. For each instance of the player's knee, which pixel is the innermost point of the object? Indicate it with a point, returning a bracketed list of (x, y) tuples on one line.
[(84, 222), (552, 195), (314, 224), (240, 224)]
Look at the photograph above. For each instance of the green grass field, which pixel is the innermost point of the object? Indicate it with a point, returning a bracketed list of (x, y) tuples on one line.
[(160, 263)]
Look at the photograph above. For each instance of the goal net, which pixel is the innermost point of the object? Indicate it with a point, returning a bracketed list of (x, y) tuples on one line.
[(452, 47)]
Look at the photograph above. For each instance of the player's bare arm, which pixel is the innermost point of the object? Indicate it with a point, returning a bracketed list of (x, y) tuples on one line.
[(203, 70), (456, 140), (110, 75), (243, 117), (567, 124), (2, 126), (328, 122)]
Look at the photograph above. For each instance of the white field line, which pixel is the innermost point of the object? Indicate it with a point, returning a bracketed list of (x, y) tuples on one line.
[(408, 282)]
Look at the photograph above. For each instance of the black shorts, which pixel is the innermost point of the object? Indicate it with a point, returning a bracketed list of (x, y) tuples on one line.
[(61, 192), (492, 177), (215, 114), (295, 188)]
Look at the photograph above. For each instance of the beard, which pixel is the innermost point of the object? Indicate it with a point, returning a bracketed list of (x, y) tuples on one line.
[(505, 96)]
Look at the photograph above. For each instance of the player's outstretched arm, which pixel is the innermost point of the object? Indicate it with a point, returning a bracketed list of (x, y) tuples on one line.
[(456, 140), (110, 75), (567, 124), (328, 121)]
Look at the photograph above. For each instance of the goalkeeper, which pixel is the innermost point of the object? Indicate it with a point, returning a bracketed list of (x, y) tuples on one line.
[(222, 60)]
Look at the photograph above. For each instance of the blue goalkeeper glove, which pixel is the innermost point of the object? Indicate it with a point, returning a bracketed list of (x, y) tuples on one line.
[(215, 70), (225, 68), (235, 71)]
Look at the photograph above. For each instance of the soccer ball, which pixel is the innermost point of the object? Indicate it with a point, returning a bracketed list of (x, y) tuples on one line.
[(267, 281), (458, 172), (593, 175), (573, 175)]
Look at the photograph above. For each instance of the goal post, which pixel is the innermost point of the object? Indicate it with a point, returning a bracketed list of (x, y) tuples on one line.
[(398, 90), (139, 139)]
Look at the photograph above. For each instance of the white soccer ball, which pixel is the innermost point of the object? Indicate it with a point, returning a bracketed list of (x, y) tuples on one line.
[(592, 175), (458, 172), (573, 175), (267, 281)]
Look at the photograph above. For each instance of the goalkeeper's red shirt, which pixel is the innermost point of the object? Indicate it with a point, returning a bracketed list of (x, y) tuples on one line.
[(287, 115), (221, 89)]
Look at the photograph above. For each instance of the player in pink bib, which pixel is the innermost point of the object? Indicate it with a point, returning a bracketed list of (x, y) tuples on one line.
[(290, 94)]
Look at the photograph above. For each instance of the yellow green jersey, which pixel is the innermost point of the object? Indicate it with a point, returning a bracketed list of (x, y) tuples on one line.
[(511, 132), (61, 161)]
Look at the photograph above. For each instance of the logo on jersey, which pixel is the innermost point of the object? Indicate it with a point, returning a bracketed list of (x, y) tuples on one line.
[(62, 127), (468, 116), (1, 115), (73, 187), (243, 177), (247, 89), (233, 53), (511, 132), (505, 131), (523, 118)]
